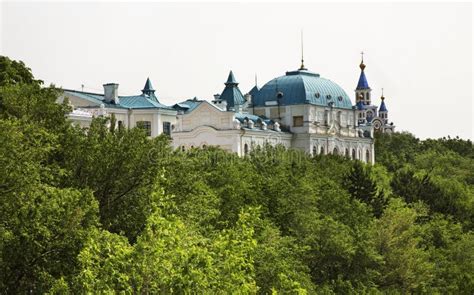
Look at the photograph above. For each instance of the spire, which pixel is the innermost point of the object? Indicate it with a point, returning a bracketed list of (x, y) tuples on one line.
[(302, 53), (256, 84), (148, 88), (382, 108), (231, 79), (232, 94), (362, 84)]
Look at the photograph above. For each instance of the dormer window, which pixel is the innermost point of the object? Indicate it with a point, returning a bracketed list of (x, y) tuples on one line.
[(328, 96), (317, 95)]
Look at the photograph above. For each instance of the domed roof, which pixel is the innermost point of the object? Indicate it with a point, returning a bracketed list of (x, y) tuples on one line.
[(302, 87)]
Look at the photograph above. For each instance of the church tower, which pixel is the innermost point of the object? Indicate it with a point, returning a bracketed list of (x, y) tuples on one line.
[(383, 112), (363, 90)]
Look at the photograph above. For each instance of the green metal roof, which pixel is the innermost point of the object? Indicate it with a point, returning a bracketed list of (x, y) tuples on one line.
[(127, 102), (302, 87), (231, 93)]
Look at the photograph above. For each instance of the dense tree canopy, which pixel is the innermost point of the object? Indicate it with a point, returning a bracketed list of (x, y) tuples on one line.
[(108, 211)]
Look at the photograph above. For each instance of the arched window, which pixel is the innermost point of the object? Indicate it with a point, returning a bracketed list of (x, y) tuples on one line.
[(353, 154), (326, 117), (360, 155), (334, 151), (322, 151), (246, 149), (183, 148), (314, 150), (347, 153), (367, 156)]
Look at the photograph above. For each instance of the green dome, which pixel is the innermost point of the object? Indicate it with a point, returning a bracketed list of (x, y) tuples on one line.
[(302, 87)]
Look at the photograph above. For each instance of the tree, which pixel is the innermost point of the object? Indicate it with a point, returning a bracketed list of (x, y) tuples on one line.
[(361, 186), (406, 265)]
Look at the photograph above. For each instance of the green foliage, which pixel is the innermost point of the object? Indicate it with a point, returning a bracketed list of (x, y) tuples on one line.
[(170, 257), (361, 186), (15, 72), (406, 265), (105, 210)]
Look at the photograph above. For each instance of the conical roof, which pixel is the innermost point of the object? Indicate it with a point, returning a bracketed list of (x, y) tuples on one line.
[(148, 88), (231, 93)]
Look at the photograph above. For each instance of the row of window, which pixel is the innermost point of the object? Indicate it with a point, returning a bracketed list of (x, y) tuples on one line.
[(146, 125), (334, 152), (346, 153), (298, 120)]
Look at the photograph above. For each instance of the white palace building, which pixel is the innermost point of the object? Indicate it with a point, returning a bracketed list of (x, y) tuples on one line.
[(299, 110)]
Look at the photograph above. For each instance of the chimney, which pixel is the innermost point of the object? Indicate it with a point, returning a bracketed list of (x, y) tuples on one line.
[(111, 93)]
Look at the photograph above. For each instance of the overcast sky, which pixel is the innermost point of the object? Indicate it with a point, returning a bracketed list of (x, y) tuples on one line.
[(420, 53)]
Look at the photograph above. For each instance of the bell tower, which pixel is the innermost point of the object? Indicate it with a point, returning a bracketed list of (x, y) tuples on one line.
[(363, 90), (383, 112)]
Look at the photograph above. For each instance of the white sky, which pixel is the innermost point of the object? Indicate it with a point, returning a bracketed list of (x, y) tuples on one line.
[(420, 53)]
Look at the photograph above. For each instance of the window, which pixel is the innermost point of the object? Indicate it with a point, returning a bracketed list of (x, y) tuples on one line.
[(347, 153), (246, 149), (120, 125), (322, 151), (314, 150), (353, 154), (317, 95), (167, 128), (145, 125), (298, 121), (334, 152), (367, 156)]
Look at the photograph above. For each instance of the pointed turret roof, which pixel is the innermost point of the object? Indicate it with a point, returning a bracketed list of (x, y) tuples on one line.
[(362, 84), (148, 88), (383, 108), (231, 79), (231, 93)]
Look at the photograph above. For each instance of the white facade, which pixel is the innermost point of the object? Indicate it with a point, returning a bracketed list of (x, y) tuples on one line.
[(129, 111), (300, 110), (208, 125)]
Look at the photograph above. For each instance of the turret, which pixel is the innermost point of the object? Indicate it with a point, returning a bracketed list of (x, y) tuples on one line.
[(363, 88), (383, 112), (148, 88), (232, 95), (149, 91)]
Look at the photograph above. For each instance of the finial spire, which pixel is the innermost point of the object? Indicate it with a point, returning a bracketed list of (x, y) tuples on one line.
[(382, 97), (148, 88), (255, 79), (302, 53), (231, 79), (362, 65)]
